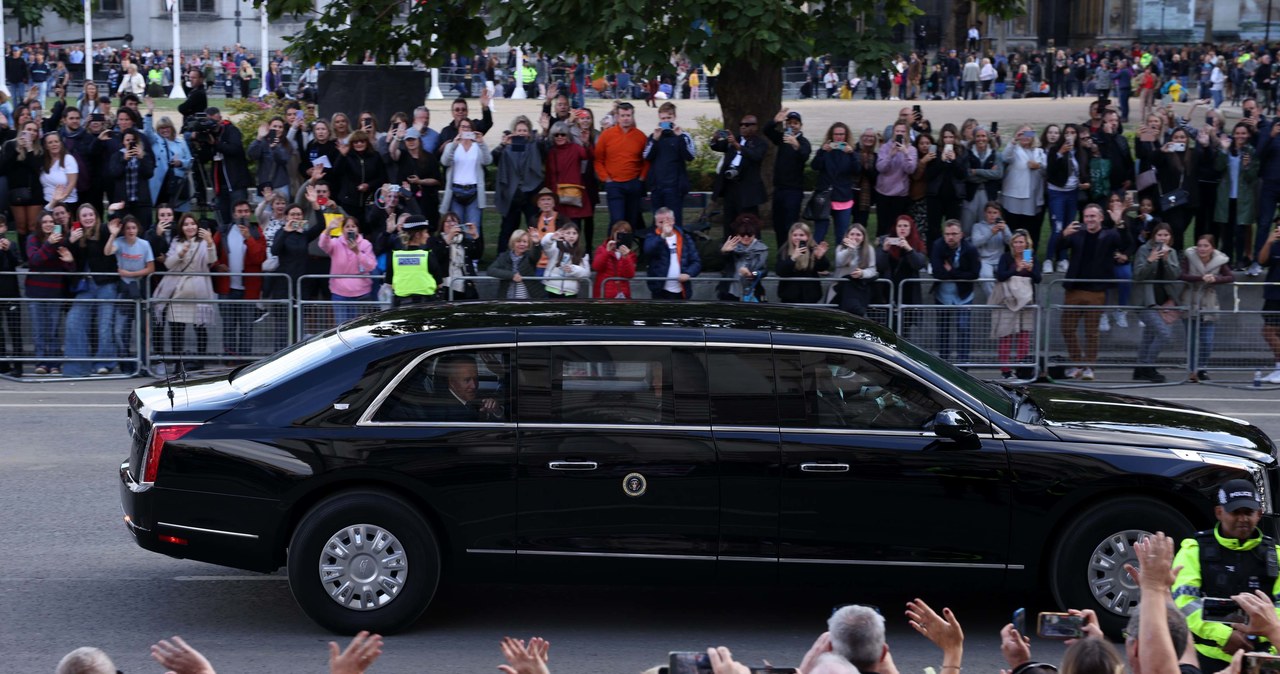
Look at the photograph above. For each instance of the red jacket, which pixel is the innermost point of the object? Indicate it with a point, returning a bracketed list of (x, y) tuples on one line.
[(607, 265), (254, 254)]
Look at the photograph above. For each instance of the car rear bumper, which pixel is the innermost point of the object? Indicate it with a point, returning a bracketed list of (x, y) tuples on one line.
[(184, 533)]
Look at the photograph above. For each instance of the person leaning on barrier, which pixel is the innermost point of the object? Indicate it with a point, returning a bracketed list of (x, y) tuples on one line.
[(190, 254), (1234, 556), (615, 258), (413, 269), (1012, 325), (857, 264), (1269, 258), (956, 266), (746, 259), (800, 258), (1204, 268), (516, 268), (673, 258)]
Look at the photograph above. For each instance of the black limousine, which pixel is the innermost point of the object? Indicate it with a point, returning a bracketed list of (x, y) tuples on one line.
[(657, 441)]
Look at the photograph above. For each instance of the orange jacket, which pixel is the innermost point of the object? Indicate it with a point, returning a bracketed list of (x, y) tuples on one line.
[(254, 254), (620, 154)]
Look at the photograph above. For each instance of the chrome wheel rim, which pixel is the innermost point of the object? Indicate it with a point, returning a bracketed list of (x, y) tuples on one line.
[(1110, 584), (363, 567)]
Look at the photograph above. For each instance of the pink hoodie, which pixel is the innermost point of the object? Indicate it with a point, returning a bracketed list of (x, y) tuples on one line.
[(342, 260)]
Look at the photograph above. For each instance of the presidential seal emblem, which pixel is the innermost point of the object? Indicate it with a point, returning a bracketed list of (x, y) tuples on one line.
[(634, 484)]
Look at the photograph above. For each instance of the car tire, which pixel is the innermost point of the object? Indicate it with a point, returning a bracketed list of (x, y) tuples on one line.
[(1087, 570), (363, 560)]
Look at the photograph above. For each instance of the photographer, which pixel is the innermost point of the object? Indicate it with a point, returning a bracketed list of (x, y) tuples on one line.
[(272, 151), (459, 247), (739, 184), (220, 142)]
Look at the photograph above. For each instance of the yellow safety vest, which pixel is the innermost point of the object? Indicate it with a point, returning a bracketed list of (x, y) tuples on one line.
[(412, 275)]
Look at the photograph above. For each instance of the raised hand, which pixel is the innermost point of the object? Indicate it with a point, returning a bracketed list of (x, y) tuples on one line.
[(179, 657), (359, 655), (522, 659)]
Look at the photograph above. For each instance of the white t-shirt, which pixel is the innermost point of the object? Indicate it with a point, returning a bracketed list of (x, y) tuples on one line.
[(673, 267), (465, 164), (56, 177)]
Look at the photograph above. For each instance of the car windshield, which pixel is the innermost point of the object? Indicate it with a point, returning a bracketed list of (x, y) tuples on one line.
[(297, 358), (988, 394)]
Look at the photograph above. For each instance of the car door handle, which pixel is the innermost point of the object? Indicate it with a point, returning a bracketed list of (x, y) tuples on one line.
[(573, 465), (824, 467)]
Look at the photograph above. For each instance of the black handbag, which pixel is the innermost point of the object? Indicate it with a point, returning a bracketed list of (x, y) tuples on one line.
[(175, 189), (818, 207), (1173, 199)]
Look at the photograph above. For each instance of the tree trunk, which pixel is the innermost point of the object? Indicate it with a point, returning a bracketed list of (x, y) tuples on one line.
[(749, 86), (752, 86)]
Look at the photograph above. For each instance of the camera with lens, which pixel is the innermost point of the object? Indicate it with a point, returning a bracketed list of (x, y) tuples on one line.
[(731, 173), (200, 124)]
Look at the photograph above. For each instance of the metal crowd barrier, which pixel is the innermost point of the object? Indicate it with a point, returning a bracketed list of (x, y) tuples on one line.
[(1235, 333), (36, 335), (1118, 348), (315, 316), (231, 331), (962, 334)]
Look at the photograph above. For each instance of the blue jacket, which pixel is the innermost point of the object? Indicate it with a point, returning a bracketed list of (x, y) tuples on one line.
[(655, 249)]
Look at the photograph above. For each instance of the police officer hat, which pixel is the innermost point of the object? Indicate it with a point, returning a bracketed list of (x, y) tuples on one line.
[(415, 222), (1236, 494)]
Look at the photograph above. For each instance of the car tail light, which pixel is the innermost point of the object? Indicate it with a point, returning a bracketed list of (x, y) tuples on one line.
[(159, 436)]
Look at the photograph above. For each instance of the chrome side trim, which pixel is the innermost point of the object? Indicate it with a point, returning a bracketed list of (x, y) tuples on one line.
[(540, 426), (729, 558), (868, 562), (617, 555), (366, 418), (207, 531)]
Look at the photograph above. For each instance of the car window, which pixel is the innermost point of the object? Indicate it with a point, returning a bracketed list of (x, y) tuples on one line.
[(611, 384), (290, 362), (988, 394), (742, 387), (471, 385), (844, 390)]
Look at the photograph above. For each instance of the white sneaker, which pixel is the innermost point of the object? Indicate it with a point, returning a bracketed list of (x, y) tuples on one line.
[(159, 370), (1104, 325), (928, 269), (1273, 378), (1063, 266), (1087, 374), (1047, 268), (1122, 319), (1255, 269), (1072, 372)]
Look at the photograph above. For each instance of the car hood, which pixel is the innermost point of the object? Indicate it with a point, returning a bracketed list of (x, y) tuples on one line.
[(1082, 415)]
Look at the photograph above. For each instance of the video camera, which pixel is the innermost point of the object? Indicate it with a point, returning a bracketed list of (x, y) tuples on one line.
[(200, 124)]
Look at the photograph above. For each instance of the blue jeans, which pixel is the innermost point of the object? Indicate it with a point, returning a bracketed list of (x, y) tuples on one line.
[(343, 313), (1123, 94), (954, 326), (44, 322), (953, 86), (1156, 333), (80, 320), (669, 197), (237, 340), (1217, 98), (625, 200), (786, 210), (1123, 272), (1202, 344), (466, 213), (124, 337), (842, 220), (1062, 211)]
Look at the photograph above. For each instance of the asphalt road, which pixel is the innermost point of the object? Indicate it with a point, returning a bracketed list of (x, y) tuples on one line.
[(71, 576)]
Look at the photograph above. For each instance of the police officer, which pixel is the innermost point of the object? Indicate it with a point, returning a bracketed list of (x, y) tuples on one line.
[(412, 272), (1233, 557)]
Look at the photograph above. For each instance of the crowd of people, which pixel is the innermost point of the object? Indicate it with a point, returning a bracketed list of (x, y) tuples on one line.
[(101, 193)]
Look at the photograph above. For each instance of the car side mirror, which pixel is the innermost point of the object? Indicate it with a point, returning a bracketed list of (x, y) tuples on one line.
[(952, 424)]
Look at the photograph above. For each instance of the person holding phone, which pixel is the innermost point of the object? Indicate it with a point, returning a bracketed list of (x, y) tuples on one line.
[(838, 165), (895, 163), (1012, 325), (1235, 211), (1067, 178), (567, 262), (1022, 193), (1155, 266), (520, 158), (984, 174), (48, 259), (786, 131), (465, 158), (457, 250), (615, 258), (272, 151), (22, 161), (990, 237), (130, 169), (801, 257), (349, 255), (746, 260)]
